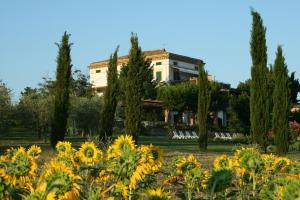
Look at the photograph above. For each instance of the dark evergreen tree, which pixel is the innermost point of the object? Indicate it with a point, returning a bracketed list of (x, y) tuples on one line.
[(294, 88), (281, 101), (137, 71), (204, 96), (61, 91), (110, 98), (259, 88)]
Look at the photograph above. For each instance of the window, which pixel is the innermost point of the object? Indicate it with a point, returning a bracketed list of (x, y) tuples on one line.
[(98, 70), (158, 63), (175, 63), (196, 67), (176, 75), (158, 76)]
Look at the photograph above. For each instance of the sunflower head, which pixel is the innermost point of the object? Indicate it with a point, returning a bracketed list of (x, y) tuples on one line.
[(269, 160), (186, 164), (222, 162), (64, 147), (34, 151), (281, 164), (157, 194), (122, 144), (59, 181), (89, 153), (152, 155), (20, 168)]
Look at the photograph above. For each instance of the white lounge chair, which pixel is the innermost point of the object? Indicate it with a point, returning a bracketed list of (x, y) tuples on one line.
[(188, 135), (175, 135), (223, 136), (195, 135), (217, 135), (181, 135), (229, 136)]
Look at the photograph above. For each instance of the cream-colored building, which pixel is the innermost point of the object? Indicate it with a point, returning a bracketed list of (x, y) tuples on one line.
[(167, 67)]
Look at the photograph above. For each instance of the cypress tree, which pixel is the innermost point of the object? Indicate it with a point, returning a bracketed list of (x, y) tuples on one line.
[(259, 88), (136, 70), (61, 91), (203, 106), (110, 98), (281, 101)]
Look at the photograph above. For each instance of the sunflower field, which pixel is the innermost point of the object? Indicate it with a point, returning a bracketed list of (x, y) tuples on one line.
[(127, 171)]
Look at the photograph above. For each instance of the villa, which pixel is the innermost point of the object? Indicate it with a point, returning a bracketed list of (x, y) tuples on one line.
[(167, 67)]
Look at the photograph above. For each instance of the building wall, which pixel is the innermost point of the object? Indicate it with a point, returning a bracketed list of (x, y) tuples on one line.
[(99, 80)]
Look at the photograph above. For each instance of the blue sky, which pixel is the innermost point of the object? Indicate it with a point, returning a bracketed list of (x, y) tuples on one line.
[(218, 32)]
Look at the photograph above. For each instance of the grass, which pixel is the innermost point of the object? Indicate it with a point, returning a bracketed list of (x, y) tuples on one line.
[(171, 148)]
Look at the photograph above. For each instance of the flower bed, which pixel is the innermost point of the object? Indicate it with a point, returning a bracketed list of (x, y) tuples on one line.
[(127, 171)]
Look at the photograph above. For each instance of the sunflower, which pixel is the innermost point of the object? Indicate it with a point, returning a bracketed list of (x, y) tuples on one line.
[(186, 164), (20, 169), (89, 153), (157, 194), (59, 182), (222, 162), (34, 151), (64, 147), (120, 187), (269, 160), (66, 159), (281, 164), (122, 144), (139, 173), (151, 155)]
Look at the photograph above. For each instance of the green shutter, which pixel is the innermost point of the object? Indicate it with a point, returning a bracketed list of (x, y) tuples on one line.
[(158, 76)]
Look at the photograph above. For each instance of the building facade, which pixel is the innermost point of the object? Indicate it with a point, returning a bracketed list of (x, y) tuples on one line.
[(167, 67)]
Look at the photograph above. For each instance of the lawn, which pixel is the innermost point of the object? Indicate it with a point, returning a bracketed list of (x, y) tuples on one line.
[(171, 148)]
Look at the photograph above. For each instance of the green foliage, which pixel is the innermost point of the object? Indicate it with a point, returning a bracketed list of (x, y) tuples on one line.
[(294, 88), (240, 106), (219, 180), (136, 77), (5, 108), (179, 97), (85, 114), (61, 101), (110, 98), (80, 85), (219, 98), (204, 96), (281, 100), (259, 90)]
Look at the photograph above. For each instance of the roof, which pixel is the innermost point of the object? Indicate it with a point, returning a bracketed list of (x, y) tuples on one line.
[(158, 54)]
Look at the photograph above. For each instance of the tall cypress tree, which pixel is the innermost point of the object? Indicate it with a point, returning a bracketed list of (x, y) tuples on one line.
[(203, 106), (136, 70), (110, 98), (259, 89), (281, 101), (61, 91)]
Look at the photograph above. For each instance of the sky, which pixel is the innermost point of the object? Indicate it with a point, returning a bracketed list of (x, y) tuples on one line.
[(218, 32)]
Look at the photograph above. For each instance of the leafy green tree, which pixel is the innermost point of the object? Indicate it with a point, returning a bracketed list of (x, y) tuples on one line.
[(80, 86), (259, 90), (5, 108), (61, 101), (294, 88), (281, 99), (244, 87), (110, 98), (85, 113), (137, 70), (179, 97), (204, 96), (35, 110), (240, 105)]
